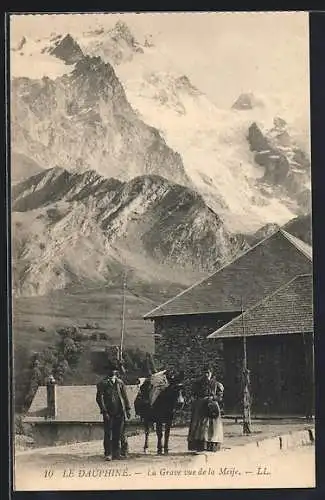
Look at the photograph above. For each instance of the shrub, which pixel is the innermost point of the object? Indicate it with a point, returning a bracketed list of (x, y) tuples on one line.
[(22, 428), (19, 425)]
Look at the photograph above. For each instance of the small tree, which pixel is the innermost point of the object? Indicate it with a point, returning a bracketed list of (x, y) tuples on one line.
[(246, 402), (150, 363)]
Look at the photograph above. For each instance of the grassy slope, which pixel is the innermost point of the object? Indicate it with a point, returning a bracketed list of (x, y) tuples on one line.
[(78, 307)]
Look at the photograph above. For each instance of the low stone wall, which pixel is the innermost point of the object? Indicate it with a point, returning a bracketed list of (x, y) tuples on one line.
[(60, 433), (259, 449)]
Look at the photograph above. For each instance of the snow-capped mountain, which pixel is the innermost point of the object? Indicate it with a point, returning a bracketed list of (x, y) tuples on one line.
[(71, 228), (207, 148), (283, 162), (84, 120), (216, 151), (117, 45)]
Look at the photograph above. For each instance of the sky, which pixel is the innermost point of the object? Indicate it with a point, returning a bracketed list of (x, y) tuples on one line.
[(224, 54)]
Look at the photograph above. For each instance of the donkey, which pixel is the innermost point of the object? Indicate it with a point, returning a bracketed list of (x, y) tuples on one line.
[(162, 411)]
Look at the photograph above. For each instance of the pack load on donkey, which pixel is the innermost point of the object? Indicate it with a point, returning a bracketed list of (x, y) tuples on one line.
[(157, 400), (158, 382), (149, 392)]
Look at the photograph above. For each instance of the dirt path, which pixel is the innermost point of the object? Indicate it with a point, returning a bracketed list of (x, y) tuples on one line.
[(81, 465)]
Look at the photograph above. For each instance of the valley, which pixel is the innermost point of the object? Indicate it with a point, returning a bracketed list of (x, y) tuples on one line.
[(122, 165)]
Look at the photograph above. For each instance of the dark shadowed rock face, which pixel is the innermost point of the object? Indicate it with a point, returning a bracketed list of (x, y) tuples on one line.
[(285, 165), (247, 101), (304, 201), (67, 49), (257, 141), (301, 227), (301, 158), (276, 166), (262, 233), (275, 162)]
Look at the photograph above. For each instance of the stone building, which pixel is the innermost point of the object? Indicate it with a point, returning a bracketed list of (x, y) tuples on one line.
[(183, 323), (278, 332), (61, 414)]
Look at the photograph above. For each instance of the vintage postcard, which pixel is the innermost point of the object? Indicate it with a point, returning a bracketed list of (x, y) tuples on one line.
[(162, 296)]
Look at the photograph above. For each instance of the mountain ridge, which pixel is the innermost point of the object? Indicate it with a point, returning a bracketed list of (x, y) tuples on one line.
[(185, 137), (84, 120), (69, 226), (90, 120)]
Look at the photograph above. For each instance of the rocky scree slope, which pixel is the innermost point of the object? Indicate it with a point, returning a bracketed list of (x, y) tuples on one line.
[(71, 227)]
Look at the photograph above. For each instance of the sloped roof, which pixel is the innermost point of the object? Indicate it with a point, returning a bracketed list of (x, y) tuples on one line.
[(257, 272), (288, 310), (75, 403), (301, 245)]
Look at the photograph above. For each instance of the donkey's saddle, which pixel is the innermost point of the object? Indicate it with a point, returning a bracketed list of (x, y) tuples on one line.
[(158, 382), (149, 391)]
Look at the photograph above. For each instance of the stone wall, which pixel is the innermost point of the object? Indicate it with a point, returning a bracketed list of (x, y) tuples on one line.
[(44, 434), (56, 433), (59, 433), (181, 343), (278, 364)]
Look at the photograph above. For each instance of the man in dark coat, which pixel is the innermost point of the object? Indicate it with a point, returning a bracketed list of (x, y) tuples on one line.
[(114, 405)]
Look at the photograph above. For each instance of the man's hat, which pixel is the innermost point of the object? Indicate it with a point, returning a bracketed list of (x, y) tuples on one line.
[(111, 366), (207, 368)]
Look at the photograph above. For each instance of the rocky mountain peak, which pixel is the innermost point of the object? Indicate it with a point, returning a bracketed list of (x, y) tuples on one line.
[(279, 123), (247, 101), (286, 167), (152, 225), (257, 141), (121, 31), (93, 66), (84, 120), (300, 227), (67, 49), (183, 82), (116, 45)]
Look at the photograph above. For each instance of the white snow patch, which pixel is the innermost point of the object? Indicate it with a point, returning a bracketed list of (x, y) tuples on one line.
[(215, 152), (37, 65)]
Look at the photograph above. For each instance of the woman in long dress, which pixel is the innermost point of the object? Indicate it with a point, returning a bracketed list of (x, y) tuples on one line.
[(206, 430)]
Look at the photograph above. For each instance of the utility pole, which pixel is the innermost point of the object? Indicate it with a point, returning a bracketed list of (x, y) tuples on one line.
[(246, 383), (150, 364), (123, 320), (312, 409), (309, 376)]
